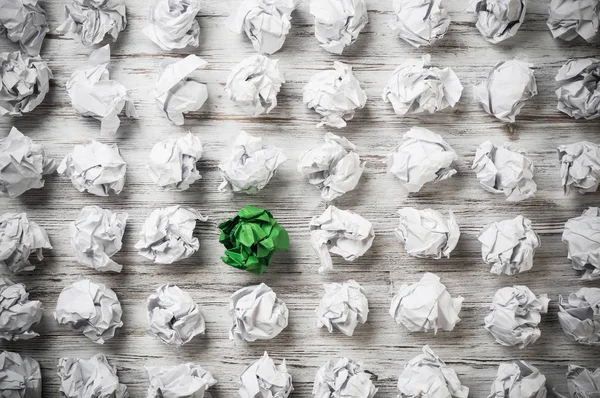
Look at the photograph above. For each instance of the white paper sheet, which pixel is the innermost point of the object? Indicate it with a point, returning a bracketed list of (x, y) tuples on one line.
[(578, 91), (173, 161), (21, 376), (422, 156), (509, 245), (179, 89), (420, 22), (90, 21), (23, 164), (18, 314), (333, 167), (90, 378), (263, 379), (515, 315), (343, 377), (93, 94), (343, 307), (19, 238), (508, 85), (250, 165), (502, 170), (582, 237), (579, 315), (426, 306), (24, 22), (340, 232), (257, 314), (518, 380), (498, 20), (187, 380), (90, 308), (569, 19), (579, 167), (582, 382), (338, 22), (96, 168), (167, 235), (96, 236), (426, 375), (335, 95), (172, 24)]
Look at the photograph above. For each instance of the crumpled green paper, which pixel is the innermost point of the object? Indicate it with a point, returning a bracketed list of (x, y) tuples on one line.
[(251, 239)]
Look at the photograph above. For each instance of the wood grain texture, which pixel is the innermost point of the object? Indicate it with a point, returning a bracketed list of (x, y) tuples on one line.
[(381, 345)]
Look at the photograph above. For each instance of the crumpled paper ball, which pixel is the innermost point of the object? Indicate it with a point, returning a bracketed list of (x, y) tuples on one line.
[(90, 308), (427, 233), (509, 245), (257, 314), (187, 380), (582, 382), (265, 22), (173, 161), (343, 307), (90, 378), (22, 377), (335, 95), (173, 315), (179, 88), (515, 315), (579, 315), (579, 167), (19, 238), (422, 157), (420, 22), (581, 237), (518, 380), (333, 167), (18, 314), (90, 21), (250, 165), (23, 164), (416, 87), (508, 85), (343, 377), (93, 94), (96, 168), (569, 19), (24, 82), (340, 232), (263, 379), (504, 170), (251, 239), (498, 20), (426, 306), (426, 375), (24, 22), (96, 236), (254, 83), (578, 91), (338, 22), (172, 24), (168, 234)]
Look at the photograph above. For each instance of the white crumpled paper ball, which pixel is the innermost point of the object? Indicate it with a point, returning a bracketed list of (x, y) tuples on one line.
[(90, 378), (172, 24), (504, 170), (173, 161), (422, 157), (19, 238), (24, 22), (18, 314), (582, 237), (263, 379), (582, 382), (343, 307), (338, 22), (498, 20), (335, 95), (518, 380), (168, 234), (343, 377), (90, 308), (187, 380), (257, 314), (420, 22), (515, 315), (426, 306), (333, 167), (23, 164), (569, 19), (509, 245), (22, 377), (578, 91), (90, 21), (173, 316), (579, 315), (96, 236), (427, 233), (579, 167)]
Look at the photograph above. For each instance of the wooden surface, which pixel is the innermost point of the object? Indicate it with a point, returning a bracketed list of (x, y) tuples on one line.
[(380, 344)]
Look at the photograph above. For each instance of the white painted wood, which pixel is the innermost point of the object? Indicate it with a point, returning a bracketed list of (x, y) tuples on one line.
[(382, 345)]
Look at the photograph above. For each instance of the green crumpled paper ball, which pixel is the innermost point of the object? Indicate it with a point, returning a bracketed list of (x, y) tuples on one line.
[(251, 239)]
